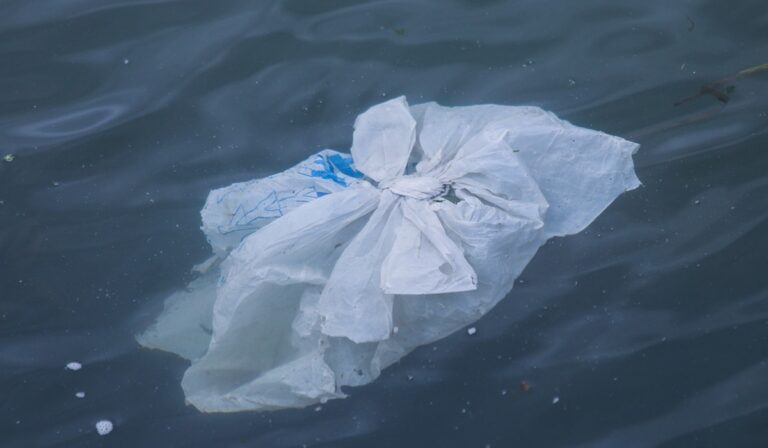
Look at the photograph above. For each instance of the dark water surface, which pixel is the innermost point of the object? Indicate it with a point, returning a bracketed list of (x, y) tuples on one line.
[(651, 327)]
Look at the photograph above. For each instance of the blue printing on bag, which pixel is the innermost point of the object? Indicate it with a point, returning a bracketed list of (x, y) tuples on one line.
[(272, 204), (331, 164)]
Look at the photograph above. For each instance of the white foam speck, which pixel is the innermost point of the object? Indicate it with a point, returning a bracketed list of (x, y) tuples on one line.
[(471, 331), (104, 427), (74, 366), (80, 394), (555, 400)]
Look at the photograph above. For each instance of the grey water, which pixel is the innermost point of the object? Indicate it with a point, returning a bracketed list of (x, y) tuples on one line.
[(649, 329)]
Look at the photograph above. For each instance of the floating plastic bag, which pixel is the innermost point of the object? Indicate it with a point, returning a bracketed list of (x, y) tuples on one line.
[(338, 267)]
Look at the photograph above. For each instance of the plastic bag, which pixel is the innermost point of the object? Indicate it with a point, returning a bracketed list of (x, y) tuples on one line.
[(338, 267)]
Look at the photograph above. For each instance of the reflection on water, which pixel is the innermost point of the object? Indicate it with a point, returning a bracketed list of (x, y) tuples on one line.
[(650, 328), (77, 123)]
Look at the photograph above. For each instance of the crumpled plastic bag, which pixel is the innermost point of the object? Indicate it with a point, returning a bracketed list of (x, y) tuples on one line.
[(338, 267)]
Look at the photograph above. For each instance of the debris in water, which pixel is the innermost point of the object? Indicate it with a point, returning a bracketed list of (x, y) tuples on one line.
[(524, 386), (555, 400), (80, 394), (471, 331), (74, 366), (723, 88), (9, 158), (104, 427)]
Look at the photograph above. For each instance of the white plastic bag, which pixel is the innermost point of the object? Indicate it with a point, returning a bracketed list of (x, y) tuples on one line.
[(338, 267)]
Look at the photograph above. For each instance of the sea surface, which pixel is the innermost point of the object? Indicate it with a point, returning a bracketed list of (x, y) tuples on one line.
[(649, 329)]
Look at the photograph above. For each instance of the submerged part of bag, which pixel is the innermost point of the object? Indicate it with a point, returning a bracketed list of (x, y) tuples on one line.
[(338, 267)]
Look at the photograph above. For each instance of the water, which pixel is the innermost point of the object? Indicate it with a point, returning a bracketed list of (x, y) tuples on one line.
[(650, 328)]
